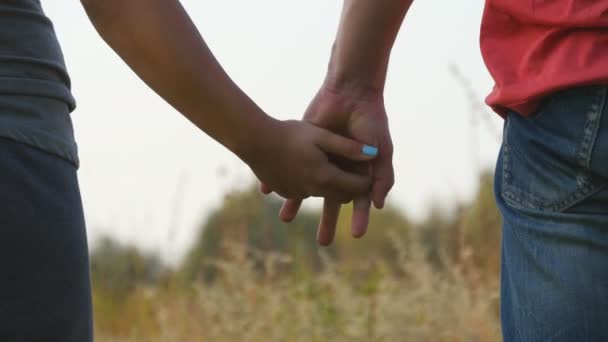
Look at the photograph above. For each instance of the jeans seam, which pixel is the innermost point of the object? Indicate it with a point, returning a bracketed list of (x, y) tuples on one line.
[(583, 159), (511, 194), (594, 116), (584, 196)]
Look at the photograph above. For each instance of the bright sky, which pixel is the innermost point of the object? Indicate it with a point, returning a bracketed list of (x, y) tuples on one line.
[(146, 169)]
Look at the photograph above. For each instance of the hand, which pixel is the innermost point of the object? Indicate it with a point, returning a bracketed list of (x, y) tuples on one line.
[(360, 116), (292, 159)]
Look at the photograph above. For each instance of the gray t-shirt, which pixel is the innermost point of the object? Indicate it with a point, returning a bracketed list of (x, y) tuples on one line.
[(35, 96)]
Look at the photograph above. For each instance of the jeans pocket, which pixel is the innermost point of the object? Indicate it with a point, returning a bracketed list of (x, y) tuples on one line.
[(547, 158)]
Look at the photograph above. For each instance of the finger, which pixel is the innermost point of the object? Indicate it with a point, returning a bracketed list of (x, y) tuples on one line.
[(347, 148), (290, 209), (265, 189), (360, 219), (336, 181), (329, 219), (384, 179)]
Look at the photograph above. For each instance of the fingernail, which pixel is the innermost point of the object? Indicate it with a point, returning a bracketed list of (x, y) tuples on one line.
[(370, 151)]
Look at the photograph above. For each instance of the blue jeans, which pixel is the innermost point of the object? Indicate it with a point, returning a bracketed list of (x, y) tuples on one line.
[(45, 292), (551, 188)]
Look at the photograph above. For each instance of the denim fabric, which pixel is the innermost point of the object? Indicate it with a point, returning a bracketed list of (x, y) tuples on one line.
[(551, 188), (45, 293)]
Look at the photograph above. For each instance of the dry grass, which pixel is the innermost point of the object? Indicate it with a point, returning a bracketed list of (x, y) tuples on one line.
[(415, 302)]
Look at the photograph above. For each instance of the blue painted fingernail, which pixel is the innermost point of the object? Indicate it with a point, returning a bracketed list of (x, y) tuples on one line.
[(370, 151)]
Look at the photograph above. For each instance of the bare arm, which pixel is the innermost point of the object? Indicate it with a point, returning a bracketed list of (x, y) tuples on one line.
[(161, 44), (362, 48), (157, 39)]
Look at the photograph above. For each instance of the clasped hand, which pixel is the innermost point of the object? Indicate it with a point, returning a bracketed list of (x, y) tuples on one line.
[(343, 173)]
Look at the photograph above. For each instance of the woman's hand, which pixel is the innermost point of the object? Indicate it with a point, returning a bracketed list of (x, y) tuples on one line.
[(293, 159)]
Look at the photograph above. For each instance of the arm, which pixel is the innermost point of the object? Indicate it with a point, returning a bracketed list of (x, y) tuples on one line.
[(359, 63), (363, 44), (157, 39), (351, 102)]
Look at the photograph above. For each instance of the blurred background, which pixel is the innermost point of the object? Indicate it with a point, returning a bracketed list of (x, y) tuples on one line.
[(183, 248)]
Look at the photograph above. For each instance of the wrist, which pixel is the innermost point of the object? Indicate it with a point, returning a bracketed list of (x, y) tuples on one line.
[(361, 79), (351, 88), (257, 141)]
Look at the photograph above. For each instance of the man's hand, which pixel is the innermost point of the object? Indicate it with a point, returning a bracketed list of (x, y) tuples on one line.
[(351, 103), (363, 118)]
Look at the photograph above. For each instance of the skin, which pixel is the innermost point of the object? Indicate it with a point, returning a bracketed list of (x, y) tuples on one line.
[(157, 39), (351, 102)]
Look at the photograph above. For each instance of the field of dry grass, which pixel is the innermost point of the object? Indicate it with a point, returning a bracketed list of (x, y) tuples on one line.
[(414, 303), (250, 278)]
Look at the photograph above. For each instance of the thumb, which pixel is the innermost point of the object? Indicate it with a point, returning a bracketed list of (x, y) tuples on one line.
[(344, 147)]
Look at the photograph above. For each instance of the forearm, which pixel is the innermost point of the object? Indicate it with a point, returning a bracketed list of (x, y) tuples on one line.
[(367, 32), (157, 39)]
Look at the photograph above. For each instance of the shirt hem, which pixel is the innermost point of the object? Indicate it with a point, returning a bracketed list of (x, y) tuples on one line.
[(62, 149)]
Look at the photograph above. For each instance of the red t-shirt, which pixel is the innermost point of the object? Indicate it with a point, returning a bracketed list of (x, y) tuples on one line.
[(533, 48)]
